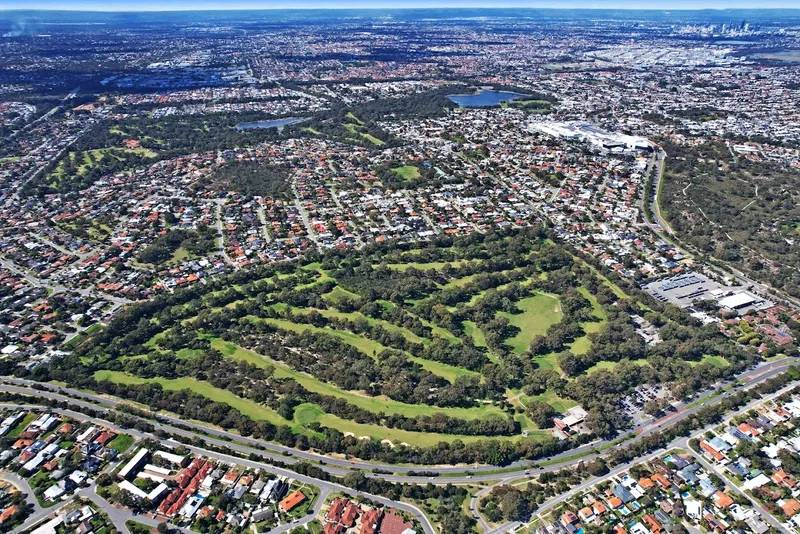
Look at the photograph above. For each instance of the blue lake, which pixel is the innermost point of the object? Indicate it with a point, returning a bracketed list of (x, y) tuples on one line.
[(483, 98), (277, 123)]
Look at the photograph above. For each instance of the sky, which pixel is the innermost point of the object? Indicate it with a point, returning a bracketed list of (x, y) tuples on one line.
[(169, 5)]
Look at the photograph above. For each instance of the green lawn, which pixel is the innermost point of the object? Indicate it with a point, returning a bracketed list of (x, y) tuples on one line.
[(121, 443), (352, 128), (538, 313), (560, 404), (421, 439), (716, 361), (353, 118), (353, 316), (438, 265), (407, 172), (438, 331), (153, 341), (612, 365), (373, 348), (180, 255), (323, 276), (472, 329), (307, 413), (614, 287), (459, 282), (29, 418), (339, 293), (246, 407), (582, 344), (548, 361), (83, 163), (448, 372), (367, 346), (372, 404)]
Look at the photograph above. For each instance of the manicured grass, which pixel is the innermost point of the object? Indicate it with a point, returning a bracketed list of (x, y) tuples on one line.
[(580, 345), (472, 329), (354, 316), (524, 422), (83, 163), (538, 313), (307, 413), (372, 404), (352, 128), (187, 353), (614, 287), (583, 344), (421, 439), (612, 365), (353, 118), (246, 407), (339, 293), (407, 172), (121, 443), (323, 276), (716, 361), (180, 255), (459, 282), (547, 362), (373, 348), (448, 372), (29, 418), (93, 329), (559, 404), (421, 266), (153, 341), (367, 346), (438, 331)]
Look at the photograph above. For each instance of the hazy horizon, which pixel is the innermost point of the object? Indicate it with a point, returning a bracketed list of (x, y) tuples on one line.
[(215, 5)]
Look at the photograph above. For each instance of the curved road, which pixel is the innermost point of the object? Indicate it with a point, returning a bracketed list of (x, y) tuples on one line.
[(337, 466), (752, 378), (661, 227), (325, 486), (678, 443)]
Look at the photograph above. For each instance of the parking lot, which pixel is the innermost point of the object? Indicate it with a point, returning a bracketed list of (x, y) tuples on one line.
[(685, 288)]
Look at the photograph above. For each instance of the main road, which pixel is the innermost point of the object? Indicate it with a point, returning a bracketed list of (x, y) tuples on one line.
[(339, 466), (119, 516), (326, 487), (663, 230), (678, 443)]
